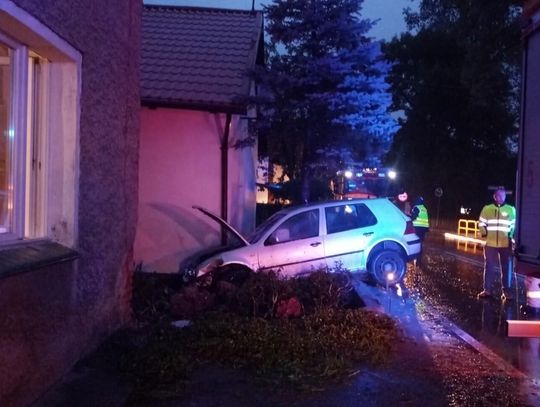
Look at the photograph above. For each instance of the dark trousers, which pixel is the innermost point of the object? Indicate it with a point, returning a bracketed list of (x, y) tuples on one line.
[(421, 233), (497, 257)]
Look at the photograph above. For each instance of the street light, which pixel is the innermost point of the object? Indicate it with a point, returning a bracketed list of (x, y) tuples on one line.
[(389, 278)]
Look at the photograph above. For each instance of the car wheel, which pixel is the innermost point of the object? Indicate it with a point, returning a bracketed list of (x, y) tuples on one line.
[(388, 267)]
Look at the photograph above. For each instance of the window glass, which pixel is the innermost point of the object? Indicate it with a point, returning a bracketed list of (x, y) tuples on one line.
[(340, 218), (261, 230), (301, 226), (6, 142), (35, 139)]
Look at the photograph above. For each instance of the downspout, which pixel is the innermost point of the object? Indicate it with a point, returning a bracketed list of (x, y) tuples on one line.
[(225, 174)]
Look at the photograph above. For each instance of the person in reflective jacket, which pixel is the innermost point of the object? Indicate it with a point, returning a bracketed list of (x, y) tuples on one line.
[(496, 223), (420, 218)]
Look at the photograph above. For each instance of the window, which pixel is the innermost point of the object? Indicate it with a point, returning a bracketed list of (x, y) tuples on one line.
[(21, 159), (5, 150), (302, 226), (39, 105), (346, 217)]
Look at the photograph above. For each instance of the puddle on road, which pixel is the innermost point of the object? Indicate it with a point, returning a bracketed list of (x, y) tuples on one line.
[(450, 279)]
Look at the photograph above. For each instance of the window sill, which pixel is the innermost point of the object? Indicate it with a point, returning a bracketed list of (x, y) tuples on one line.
[(32, 256)]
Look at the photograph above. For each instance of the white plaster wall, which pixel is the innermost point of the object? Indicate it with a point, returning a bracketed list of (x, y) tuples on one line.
[(180, 167)]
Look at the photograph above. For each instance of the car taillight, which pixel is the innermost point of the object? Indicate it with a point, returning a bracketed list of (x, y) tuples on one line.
[(409, 228)]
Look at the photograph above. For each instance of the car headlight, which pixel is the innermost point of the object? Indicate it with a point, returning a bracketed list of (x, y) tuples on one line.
[(208, 266)]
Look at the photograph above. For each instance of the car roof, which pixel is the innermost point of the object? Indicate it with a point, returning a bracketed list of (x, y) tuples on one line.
[(323, 204)]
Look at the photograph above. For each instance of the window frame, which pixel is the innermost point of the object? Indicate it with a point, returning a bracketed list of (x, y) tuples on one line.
[(17, 123), (47, 210)]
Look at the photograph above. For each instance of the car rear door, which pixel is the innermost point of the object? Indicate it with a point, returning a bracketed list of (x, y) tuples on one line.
[(294, 245), (350, 228)]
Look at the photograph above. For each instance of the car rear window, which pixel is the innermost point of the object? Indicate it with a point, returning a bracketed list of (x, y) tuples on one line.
[(340, 218)]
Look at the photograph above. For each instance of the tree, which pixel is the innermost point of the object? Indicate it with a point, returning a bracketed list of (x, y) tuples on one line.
[(327, 96), (456, 81)]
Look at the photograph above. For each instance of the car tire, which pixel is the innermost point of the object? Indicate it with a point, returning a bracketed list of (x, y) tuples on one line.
[(385, 262)]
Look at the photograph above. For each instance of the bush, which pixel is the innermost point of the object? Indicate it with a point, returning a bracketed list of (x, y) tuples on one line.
[(327, 343), (151, 295), (261, 293)]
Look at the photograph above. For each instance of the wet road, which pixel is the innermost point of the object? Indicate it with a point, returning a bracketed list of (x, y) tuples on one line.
[(449, 278)]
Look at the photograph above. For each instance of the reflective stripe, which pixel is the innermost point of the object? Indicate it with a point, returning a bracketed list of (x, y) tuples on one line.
[(500, 228), (500, 221)]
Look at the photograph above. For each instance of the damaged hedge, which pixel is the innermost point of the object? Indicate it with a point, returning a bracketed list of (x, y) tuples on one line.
[(326, 337)]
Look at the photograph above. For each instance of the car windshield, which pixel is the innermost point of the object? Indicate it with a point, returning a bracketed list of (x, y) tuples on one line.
[(264, 227)]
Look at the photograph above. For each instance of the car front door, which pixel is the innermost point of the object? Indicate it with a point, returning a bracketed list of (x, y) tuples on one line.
[(295, 245), (349, 231)]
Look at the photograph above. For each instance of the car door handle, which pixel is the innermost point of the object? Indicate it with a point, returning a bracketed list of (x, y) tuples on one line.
[(315, 244), (368, 233)]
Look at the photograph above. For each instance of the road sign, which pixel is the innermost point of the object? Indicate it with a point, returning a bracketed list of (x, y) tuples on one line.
[(438, 192)]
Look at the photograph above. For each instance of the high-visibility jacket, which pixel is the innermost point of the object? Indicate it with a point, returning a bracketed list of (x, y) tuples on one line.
[(422, 219), (497, 224)]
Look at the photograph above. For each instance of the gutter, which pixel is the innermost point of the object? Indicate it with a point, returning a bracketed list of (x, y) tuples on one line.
[(225, 174)]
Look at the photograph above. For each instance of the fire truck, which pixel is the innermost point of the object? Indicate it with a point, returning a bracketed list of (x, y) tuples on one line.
[(528, 174), (356, 181)]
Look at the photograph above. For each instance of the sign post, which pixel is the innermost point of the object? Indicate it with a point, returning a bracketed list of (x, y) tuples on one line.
[(438, 194)]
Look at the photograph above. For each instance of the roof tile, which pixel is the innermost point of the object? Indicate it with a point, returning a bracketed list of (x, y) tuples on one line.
[(198, 56)]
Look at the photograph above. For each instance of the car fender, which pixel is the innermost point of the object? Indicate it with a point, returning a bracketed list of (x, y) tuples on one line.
[(388, 243), (245, 256), (241, 256)]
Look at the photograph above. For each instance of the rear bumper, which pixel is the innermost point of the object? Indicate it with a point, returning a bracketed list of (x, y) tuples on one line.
[(414, 249)]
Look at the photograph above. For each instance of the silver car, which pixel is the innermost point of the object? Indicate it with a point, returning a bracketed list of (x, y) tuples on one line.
[(361, 235)]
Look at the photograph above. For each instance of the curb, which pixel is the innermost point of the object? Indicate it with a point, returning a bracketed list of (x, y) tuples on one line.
[(501, 364)]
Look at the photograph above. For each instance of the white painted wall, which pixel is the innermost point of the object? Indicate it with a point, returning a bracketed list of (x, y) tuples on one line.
[(180, 167)]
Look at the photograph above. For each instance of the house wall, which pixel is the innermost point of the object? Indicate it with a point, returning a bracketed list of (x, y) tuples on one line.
[(51, 317), (180, 166)]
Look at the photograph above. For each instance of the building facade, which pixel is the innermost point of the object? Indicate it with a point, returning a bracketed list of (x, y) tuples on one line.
[(196, 148), (69, 128)]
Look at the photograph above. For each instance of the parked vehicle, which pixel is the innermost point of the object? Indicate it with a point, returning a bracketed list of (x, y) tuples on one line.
[(357, 181), (361, 235), (528, 174)]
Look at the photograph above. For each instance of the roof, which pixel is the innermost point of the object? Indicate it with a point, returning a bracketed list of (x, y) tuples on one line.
[(199, 58)]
